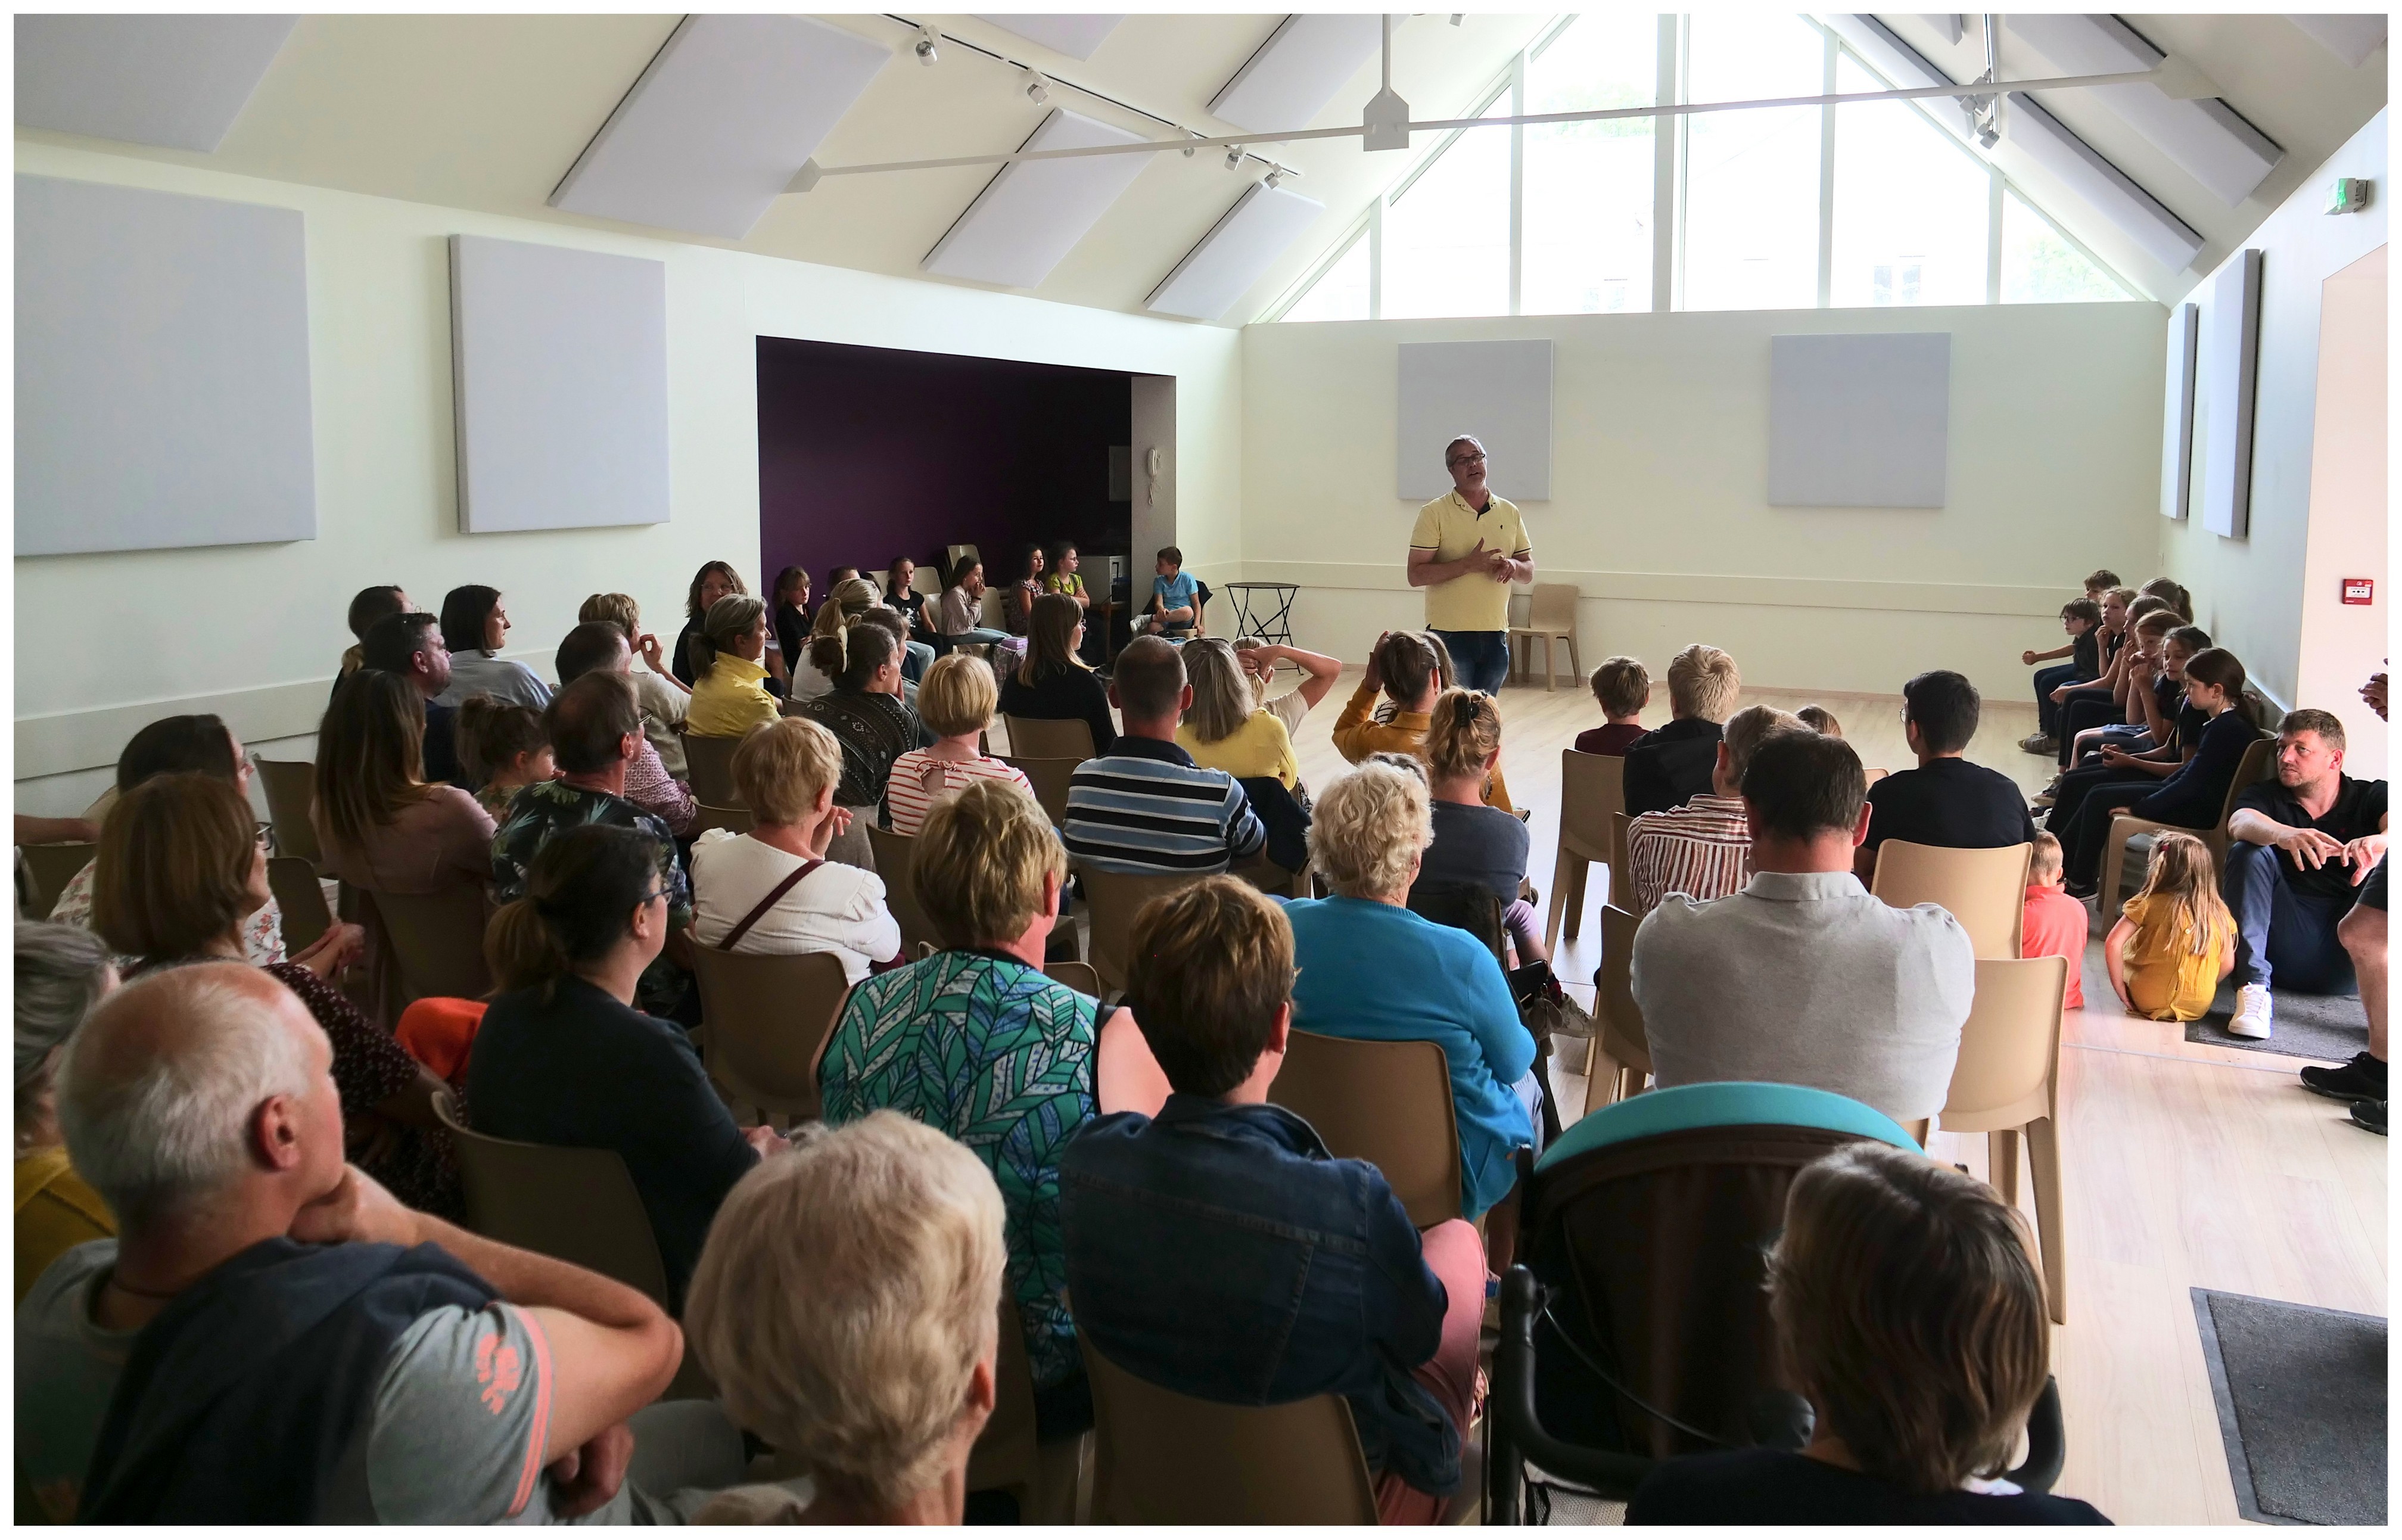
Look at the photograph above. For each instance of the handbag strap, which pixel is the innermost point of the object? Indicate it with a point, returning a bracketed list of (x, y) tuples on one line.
[(759, 910)]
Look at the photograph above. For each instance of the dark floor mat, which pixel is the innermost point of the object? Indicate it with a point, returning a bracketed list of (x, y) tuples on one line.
[(2301, 1408), (2329, 1028)]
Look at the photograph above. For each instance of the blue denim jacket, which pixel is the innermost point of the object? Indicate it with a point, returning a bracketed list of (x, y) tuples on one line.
[(1221, 1252)]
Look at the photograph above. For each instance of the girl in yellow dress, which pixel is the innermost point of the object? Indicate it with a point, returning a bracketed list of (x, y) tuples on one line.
[(2176, 938)]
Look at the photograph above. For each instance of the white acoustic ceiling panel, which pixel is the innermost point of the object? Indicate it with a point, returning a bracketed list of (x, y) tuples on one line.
[(1498, 391), (560, 372), (1033, 213), (727, 112), (2205, 137), (1949, 28), (2113, 194), (162, 371), (2350, 38), (1898, 62), (1262, 222), (2230, 367), (1859, 421), (2177, 437), (1076, 36), (173, 81), (1297, 71)]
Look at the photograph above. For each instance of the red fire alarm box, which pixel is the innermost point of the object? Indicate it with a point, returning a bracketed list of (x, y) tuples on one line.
[(2359, 591)]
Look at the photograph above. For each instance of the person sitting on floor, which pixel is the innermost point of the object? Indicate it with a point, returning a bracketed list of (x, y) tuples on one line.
[(1946, 800), (1411, 669), (1802, 978), (598, 646), (1909, 1309), (1476, 844), (2175, 939), (1170, 1223), (1623, 687), (1704, 849), (2362, 930), (2054, 925), (1669, 766), (956, 704), (62, 973), (1146, 806)]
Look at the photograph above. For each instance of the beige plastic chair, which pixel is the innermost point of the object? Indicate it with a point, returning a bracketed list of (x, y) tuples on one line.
[(1048, 777), (711, 760), (48, 869), (1039, 739), (1386, 1103), (1621, 865), (1592, 787), (1621, 1052), (1551, 615), (894, 859), (707, 817), (1006, 1457), (2006, 1080), (1985, 890), (769, 1016), (291, 788), (2260, 763), (302, 899), (437, 943), (1077, 976), (1113, 897)]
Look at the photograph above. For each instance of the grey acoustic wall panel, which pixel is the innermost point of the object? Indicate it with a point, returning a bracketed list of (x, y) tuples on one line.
[(1237, 251), (2177, 433), (2111, 192), (1297, 71), (712, 131), (1034, 212), (2230, 368), (1076, 36), (1859, 421), (1498, 391), (174, 81), (162, 371), (559, 365)]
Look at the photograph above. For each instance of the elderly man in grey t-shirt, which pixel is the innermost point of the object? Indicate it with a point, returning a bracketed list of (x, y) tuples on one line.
[(1802, 978)]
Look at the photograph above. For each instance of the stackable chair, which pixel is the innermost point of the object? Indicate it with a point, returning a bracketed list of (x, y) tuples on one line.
[(711, 760), (1043, 738), (769, 1016), (291, 788), (48, 869), (896, 858), (1551, 617), (1386, 1103), (1621, 1052), (1985, 890), (2258, 764), (1593, 787)]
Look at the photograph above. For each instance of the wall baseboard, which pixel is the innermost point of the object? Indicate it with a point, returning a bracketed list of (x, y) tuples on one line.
[(1974, 598)]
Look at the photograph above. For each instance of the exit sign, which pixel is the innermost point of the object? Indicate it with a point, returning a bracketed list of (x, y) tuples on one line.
[(2359, 591)]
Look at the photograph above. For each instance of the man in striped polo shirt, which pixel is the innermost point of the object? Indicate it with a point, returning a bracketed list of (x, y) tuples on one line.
[(1704, 849), (1146, 806)]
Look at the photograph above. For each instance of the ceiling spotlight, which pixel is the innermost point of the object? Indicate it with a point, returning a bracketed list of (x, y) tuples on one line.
[(1275, 177), (1188, 149), (1234, 158), (1458, 17), (926, 36), (1038, 90)]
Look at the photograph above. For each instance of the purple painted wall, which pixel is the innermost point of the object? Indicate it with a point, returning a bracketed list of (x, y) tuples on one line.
[(866, 454)]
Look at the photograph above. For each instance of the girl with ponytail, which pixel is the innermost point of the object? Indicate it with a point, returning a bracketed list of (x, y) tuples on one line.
[(1412, 668), (1473, 843)]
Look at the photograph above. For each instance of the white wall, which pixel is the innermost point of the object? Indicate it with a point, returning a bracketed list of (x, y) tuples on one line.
[(1659, 511), (106, 643), (2341, 644)]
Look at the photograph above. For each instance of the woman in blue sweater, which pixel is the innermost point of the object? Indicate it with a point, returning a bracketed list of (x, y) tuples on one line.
[(1371, 970), (2194, 797)]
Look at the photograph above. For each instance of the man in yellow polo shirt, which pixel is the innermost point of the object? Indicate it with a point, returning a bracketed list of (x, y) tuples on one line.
[(1469, 547)]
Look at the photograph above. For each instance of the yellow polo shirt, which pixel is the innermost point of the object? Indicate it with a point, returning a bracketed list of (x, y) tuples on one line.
[(1450, 529)]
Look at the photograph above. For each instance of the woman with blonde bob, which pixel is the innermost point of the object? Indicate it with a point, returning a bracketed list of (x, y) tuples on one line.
[(846, 1306), (729, 692), (1911, 1316), (778, 877), (1226, 728), (956, 704), (1371, 970)]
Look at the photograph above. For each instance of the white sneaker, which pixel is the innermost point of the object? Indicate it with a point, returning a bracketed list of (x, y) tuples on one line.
[(2251, 1012)]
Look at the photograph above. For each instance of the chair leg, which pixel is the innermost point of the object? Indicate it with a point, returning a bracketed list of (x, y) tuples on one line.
[(1550, 668), (1576, 897), (1630, 1083), (2002, 1162), (2043, 1155), (1559, 898), (1600, 1074), (1576, 663)]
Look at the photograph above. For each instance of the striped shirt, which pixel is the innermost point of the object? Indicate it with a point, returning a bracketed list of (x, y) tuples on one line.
[(1702, 849), (919, 781), (1148, 808)]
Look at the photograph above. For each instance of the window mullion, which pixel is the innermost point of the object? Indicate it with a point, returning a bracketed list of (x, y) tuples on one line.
[(1518, 184), (1667, 184), (1993, 235), (1376, 260), (1826, 175)]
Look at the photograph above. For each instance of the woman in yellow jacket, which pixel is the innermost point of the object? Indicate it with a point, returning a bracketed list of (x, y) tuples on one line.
[(62, 970), (1409, 667), (729, 693)]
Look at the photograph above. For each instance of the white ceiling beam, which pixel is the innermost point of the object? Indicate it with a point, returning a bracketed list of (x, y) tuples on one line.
[(178, 82)]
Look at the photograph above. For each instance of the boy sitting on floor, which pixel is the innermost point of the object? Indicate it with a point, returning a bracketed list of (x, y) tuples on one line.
[(1175, 602)]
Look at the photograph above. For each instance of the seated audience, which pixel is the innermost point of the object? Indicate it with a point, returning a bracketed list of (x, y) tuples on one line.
[(1017, 604), (901, 594), (2172, 593), (180, 868), (474, 626), (504, 747), (846, 1309), (1946, 800), (2301, 848), (1820, 721), (2191, 797), (1055, 683), (956, 704), (2054, 925), (1476, 844), (1371, 970), (2362, 1080), (367, 606), (1170, 1289), (788, 610), (1411, 669), (1802, 978), (1225, 728), (2079, 704), (1623, 687), (2081, 619), (1062, 577), (411, 646), (731, 695), (310, 1351), (1319, 673), (772, 890), (1908, 1306), (2176, 940), (594, 646), (1672, 764), (960, 616), (565, 1056), (1704, 849), (1175, 608), (977, 1042), (62, 973), (713, 582), (916, 657), (2172, 724), (664, 697), (868, 718), (1145, 805), (595, 732), (836, 577), (845, 603)]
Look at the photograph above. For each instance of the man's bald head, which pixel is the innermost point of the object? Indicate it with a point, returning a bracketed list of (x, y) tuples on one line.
[(160, 1089)]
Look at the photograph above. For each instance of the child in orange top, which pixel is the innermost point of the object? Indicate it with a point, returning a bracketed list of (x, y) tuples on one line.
[(2176, 940), (2055, 922)]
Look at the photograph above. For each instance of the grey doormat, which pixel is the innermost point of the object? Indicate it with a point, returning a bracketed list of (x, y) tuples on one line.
[(2329, 1028), (2301, 1407)]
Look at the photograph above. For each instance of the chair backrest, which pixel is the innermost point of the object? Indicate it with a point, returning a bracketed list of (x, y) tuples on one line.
[(1985, 890), (1007, 1454), (1163, 1458), (1592, 787), (705, 818), (1386, 1103), (438, 942), (50, 868), (1622, 867), (2007, 1072), (1039, 739), (1048, 777), (994, 612), (895, 857), (711, 760), (291, 788), (302, 899), (1113, 897), (579, 1205), (1464, 906), (1552, 608), (951, 554), (768, 1015), (1077, 976), (2258, 764), (1619, 1019)]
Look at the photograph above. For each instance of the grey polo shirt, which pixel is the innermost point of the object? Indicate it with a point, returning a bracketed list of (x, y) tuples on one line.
[(1804, 978)]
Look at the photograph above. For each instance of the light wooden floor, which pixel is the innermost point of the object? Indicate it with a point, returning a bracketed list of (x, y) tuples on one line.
[(2186, 1165)]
